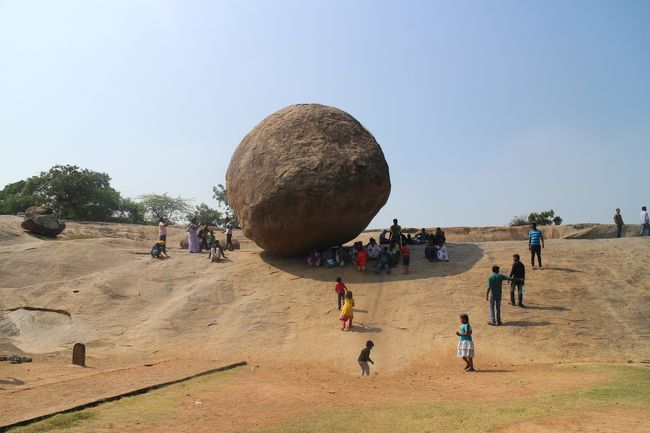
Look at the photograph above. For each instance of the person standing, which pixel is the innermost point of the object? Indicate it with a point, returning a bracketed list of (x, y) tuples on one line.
[(518, 275), (618, 220), (229, 245), (406, 258), (395, 234), (162, 230), (193, 237), (465, 347), (347, 312), (364, 358), (495, 287), (535, 245), (645, 222), (340, 288), (203, 235)]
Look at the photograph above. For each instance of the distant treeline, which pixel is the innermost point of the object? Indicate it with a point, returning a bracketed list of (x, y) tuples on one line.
[(86, 195)]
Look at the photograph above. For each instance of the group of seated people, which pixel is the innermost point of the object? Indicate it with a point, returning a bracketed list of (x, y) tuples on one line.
[(435, 250), (338, 256), (386, 254), (422, 238)]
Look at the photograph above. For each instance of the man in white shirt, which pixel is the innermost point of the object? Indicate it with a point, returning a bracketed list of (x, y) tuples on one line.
[(229, 245), (645, 222)]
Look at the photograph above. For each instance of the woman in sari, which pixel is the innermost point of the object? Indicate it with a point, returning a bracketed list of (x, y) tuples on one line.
[(193, 237)]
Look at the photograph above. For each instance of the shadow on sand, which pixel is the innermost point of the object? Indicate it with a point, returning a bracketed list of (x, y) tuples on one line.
[(567, 270), (462, 258), (493, 370), (546, 307), (526, 323), (362, 329), (41, 237)]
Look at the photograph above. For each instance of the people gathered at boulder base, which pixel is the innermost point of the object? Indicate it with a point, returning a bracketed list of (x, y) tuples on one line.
[(391, 250)]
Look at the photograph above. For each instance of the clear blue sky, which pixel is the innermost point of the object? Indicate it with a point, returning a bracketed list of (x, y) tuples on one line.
[(484, 109)]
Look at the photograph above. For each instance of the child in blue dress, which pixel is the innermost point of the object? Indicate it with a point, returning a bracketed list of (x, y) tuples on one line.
[(465, 348)]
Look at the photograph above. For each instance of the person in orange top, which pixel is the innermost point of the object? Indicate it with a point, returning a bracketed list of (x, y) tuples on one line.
[(362, 258), (406, 258)]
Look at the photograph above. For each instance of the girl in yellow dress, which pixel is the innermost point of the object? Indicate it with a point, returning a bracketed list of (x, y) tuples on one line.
[(346, 310)]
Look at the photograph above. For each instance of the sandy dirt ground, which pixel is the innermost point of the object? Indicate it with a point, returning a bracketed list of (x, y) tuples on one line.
[(98, 285)]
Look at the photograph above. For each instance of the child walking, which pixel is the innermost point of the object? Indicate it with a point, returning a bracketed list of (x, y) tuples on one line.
[(346, 311), (465, 347), (364, 358), (340, 290)]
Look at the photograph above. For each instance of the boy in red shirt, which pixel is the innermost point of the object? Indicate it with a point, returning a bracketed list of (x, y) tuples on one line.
[(406, 258), (340, 290)]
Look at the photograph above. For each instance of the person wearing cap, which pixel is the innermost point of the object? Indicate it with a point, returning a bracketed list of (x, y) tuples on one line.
[(157, 249)]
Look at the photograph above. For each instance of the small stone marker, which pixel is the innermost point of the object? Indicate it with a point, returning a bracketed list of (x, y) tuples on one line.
[(79, 354)]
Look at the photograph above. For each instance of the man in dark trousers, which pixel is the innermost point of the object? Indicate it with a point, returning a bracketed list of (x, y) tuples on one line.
[(518, 274), (618, 220), (493, 295), (535, 245)]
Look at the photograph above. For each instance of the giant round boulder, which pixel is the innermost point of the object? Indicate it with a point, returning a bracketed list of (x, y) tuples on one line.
[(308, 176)]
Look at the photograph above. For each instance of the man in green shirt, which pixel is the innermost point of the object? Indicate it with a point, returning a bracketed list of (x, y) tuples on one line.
[(395, 233), (495, 282)]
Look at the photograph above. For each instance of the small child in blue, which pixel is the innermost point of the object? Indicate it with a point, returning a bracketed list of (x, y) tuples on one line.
[(465, 348)]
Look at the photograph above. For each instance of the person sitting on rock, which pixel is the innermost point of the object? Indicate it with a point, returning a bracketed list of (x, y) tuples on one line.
[(439, 237), (383, 239), (314, 258), (216, 252), (373, 249), (329, 257), (422, 237), (431, 251), (383, 263), (354, 251), (341, 255), (442, 254), (158, 249)]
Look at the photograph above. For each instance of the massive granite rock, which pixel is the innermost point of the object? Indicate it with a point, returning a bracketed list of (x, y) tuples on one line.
[(308, 176), (42, 221)]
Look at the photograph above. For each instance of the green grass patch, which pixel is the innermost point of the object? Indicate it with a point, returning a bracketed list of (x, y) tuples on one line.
[(146, 409), (625, 387), (629, 386)]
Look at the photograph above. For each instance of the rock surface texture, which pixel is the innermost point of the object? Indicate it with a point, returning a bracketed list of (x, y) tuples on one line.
[(308, 176), (43, 221)]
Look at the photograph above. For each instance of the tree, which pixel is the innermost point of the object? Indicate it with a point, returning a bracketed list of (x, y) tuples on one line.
[(14, 198), (163, 206), (75, 193), (520, 220), (220, 194), (205, 215), (544, 218), (131, 211)]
